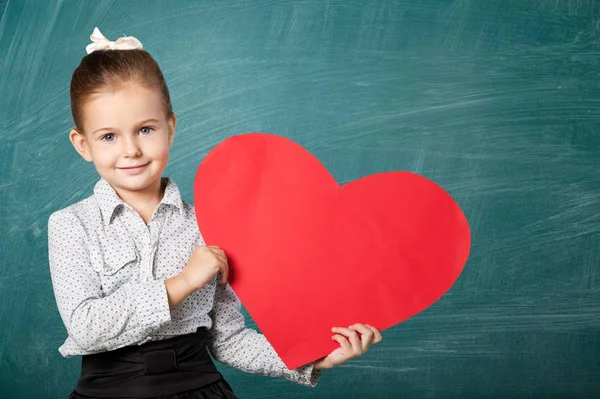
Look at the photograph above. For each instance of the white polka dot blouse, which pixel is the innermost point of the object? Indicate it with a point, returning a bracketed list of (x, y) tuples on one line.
[(108, 270)]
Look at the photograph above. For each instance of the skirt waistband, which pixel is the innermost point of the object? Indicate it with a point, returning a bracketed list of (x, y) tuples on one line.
[(155, 368)]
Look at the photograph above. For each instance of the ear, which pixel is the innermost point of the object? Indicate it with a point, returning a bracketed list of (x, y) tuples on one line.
[(80, 143), (172, 123)]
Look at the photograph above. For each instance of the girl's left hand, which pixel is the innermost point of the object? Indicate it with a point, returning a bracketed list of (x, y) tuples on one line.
[(354, 341)]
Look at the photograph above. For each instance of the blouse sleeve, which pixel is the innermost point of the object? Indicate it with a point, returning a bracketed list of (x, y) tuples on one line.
[(95, 322), (232, 343)]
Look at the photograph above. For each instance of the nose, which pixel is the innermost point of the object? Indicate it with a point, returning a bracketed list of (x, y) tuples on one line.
[(131, 147)]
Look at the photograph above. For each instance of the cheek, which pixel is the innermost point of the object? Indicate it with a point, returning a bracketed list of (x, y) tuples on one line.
[(104, 156), (160, 149), (165, 153)]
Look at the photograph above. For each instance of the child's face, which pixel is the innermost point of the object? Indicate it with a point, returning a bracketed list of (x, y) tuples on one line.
[(123, 129)]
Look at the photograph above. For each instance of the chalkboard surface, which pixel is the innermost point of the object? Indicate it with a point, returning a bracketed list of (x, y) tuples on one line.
[(496, 101)]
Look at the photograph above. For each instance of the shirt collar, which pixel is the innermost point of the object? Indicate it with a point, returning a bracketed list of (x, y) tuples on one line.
[(109, 201)]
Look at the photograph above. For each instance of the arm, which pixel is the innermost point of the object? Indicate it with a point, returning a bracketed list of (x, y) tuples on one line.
[(177, 290), (96, 322), (230, 342)]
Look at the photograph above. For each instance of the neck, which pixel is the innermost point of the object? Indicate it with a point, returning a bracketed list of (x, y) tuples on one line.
[(144, 201)]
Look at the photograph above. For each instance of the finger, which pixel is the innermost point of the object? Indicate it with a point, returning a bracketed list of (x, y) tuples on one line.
[(224, 266), (207, 247), (377, 335), (352, 337), (220, 257), (366, 333), (222, 262), (219, 254), (202, 249), (215, 250), (344, 343)]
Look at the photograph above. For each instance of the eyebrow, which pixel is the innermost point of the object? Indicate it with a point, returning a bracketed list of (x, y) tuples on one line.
[(138, 124)]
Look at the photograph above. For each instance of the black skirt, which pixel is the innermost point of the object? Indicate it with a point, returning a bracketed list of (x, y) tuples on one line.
[(174, 368)]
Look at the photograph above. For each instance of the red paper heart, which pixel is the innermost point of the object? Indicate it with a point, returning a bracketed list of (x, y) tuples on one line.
[(307, 254)]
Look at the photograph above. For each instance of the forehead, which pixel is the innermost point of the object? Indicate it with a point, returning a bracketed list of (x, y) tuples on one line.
[(123, 107)]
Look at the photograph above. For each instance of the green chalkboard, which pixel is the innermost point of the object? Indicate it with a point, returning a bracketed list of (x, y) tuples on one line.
[(496, 101)]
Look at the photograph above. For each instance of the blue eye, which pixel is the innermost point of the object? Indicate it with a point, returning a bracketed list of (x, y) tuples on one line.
[(148, 128), (107, 135)]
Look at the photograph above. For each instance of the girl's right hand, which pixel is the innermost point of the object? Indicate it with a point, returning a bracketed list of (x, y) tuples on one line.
[(205, 262)]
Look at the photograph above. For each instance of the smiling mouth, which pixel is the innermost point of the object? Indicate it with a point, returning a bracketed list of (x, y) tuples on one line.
[(135, 167), (134, 170)]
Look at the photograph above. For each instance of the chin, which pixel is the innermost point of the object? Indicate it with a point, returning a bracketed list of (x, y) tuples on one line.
[(138, 184), (131, 183)]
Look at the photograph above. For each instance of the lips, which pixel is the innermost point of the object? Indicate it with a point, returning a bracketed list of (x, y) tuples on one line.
[(134, 169)]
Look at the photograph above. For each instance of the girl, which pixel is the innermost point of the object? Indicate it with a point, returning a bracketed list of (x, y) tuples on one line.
[(135, 285)]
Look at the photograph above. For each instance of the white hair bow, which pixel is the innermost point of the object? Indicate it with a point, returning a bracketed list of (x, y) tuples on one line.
[(102, 43)]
